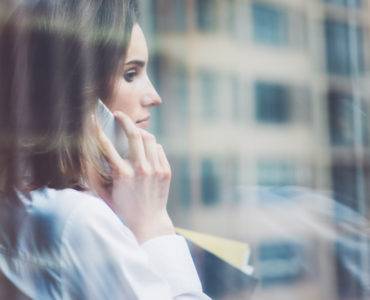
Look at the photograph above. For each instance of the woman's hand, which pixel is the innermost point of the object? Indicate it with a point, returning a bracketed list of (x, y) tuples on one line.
[(140, 183)]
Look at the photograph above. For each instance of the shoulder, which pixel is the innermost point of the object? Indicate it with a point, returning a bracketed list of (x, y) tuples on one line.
[(73, 223), (55, 207), (60, 205), (54, 215), (92, 221)]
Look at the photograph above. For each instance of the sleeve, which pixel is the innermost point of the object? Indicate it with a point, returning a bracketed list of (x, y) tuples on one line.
[(170, 256), (101, 259)]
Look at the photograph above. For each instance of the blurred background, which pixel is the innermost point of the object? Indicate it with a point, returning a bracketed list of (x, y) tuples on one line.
[(265, 121)]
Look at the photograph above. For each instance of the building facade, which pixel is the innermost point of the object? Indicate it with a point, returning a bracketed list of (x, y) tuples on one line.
[(265, 93)]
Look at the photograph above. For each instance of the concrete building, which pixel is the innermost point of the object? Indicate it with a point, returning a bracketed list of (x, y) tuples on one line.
[(264, 93)]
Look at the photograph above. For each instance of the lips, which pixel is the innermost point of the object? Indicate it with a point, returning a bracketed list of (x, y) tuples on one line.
[(143, 120), (143, 123)]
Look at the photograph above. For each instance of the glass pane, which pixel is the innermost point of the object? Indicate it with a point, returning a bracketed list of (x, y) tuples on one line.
[(262, 109), (269, 24), (277, 143)]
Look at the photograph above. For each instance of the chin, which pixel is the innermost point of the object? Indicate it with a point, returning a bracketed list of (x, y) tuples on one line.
[(143, 125)]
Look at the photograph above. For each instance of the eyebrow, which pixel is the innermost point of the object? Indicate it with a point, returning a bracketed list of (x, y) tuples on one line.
[(139, 63)]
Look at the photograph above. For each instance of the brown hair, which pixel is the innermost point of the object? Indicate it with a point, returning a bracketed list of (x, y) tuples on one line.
[(56, 58)]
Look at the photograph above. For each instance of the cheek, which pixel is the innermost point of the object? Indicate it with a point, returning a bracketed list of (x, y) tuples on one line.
[(123, 98)]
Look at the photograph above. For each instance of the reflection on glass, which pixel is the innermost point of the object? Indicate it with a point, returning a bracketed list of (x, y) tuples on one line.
[(206, 11), (269, 24), (267, 101), (354, 3), (272, 103), (280, 262), (343, 44), (210, 183), (276, 173)]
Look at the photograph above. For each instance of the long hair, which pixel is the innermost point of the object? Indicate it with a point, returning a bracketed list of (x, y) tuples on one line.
[(56, 58)]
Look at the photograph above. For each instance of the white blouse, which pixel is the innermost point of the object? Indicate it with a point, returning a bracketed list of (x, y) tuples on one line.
[(65, 244)]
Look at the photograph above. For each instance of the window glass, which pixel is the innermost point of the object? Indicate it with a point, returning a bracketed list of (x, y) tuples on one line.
[(269, 24), (276, 173), (341, 118), (280, 262), (265, 119), (206, 12), (346, 114), (354, 3), (210, 182), (343, 48), (272, 103)]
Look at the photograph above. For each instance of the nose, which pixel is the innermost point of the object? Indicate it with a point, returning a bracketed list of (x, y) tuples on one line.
[(151, 96)]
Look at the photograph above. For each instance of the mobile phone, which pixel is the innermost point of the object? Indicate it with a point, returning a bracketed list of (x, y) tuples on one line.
[(112, 129)]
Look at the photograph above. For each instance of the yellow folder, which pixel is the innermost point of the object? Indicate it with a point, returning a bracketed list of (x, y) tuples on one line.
[(233, 252)]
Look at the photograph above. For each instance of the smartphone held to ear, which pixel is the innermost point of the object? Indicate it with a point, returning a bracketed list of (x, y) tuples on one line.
[(112, 129)]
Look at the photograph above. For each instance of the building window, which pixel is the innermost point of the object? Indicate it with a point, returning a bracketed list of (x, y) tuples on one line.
[(341, 123), (345, 185), (280, 262), (209, 182), (269, 24), (343, 114), (206, 12), (348, 3), (276, 173), (350, 265), (344, 48), (208, 94), (272, 103), (181, 181)]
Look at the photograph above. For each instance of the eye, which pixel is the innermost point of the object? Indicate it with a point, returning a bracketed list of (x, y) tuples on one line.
[(129, 75)]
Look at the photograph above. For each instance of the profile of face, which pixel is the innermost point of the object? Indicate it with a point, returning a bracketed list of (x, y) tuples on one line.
[(133, 91)]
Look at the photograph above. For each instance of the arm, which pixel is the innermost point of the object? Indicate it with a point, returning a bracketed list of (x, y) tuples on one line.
[(170, 257), (101, 259)]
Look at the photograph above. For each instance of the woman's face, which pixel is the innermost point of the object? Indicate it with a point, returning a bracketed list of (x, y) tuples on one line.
[(133, 92)]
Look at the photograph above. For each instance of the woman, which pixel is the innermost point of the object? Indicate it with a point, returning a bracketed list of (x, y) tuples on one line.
[(58, 238)]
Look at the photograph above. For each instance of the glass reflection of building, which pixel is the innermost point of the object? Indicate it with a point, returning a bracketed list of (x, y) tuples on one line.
[(263, 92)]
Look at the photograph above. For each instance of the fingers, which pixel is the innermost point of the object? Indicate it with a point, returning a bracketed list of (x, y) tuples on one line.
[(164, 162), (115, 161), (151, 151), (136, 147), (144, 153)]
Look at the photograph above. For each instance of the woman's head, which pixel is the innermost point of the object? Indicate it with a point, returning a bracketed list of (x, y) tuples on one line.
[(56, 58), (133, 92)]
